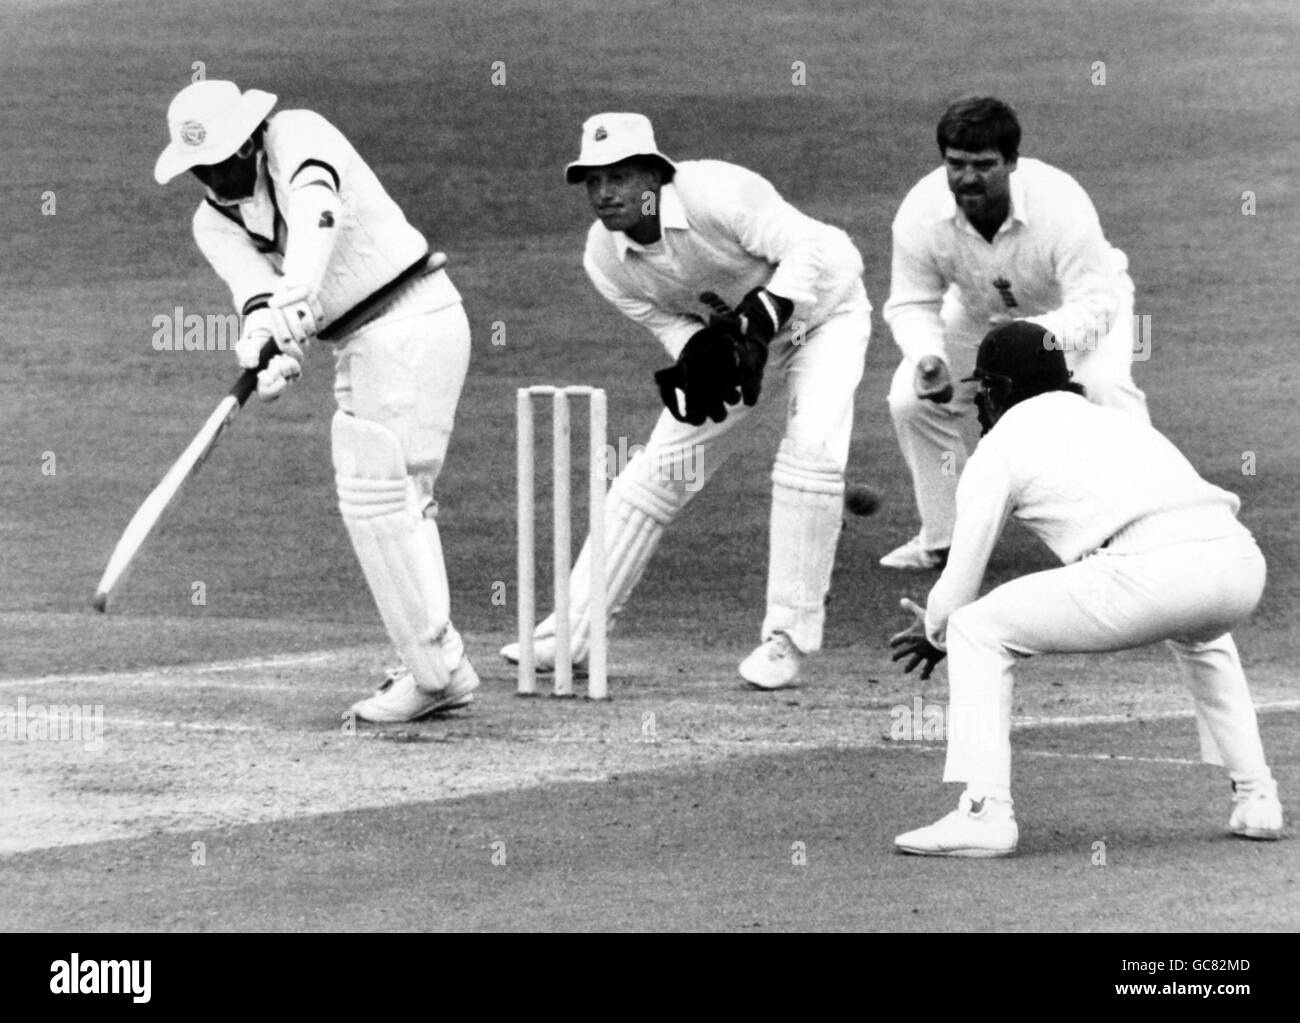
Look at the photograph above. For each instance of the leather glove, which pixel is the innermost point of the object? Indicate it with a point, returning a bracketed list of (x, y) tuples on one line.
[(295, 314), (752, 325), (253, 338), (706, 376), (280, 372)]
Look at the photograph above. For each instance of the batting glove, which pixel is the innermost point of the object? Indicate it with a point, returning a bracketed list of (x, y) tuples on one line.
[(255, 335), (280, 372), (295, 314)]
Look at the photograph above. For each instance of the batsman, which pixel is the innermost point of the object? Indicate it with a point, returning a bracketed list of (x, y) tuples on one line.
[(762, 310), (313, 248)]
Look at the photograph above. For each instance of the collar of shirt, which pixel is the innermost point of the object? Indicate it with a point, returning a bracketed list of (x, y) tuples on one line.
[(1018, 212), (672, 217)]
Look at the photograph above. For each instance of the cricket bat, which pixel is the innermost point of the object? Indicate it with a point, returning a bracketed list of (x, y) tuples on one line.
[(193, 457), (182, 471)]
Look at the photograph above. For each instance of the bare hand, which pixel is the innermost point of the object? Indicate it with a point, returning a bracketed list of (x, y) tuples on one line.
[(933, 381), (912, 642)]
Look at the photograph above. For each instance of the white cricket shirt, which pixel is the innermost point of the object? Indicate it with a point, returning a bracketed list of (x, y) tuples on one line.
[(1049, 262), (1075, 474), (245, 241), (724, 229)]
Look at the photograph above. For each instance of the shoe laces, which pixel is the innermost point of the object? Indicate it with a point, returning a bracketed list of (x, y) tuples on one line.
[(779, 647)]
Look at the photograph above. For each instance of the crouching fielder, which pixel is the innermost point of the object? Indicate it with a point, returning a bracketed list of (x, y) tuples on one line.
[(311, 246), (1151, 552)]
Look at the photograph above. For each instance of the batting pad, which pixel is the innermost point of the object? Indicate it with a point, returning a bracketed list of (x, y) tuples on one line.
[(404, 572), (635, 517), (807, 515)]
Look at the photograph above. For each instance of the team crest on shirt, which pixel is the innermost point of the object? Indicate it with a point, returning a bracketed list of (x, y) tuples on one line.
[(192, 133), (601, 135), (1004, 289)]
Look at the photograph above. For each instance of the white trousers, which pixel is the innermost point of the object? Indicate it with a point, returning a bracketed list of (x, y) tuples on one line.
[(934, 439), (814, 382), (1188, 594), (405, 371)]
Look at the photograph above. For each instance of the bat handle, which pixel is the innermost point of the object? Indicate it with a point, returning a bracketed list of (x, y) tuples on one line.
[(247, 382)]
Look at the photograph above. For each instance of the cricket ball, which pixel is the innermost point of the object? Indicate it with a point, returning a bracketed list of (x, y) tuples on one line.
[(861, 499)]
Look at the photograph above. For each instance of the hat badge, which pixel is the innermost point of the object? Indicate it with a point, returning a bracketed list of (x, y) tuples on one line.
[(193, 133), (601, 135)]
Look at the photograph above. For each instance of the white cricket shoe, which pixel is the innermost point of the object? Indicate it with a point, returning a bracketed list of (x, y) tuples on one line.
[(774, 664), (1257, 812), (912, 556), (460, 690), (979, 828), (543, 656), (400, 699)]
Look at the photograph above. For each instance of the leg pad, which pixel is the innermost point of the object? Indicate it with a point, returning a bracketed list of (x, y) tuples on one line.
[(396, 552)]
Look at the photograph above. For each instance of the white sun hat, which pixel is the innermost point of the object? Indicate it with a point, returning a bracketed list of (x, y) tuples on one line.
[(609, 138), (208, 122)]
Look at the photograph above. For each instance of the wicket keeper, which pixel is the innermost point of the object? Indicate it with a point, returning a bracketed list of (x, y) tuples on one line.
[(762, 310)]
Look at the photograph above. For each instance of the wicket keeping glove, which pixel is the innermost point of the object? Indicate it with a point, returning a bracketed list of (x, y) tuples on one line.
[(707, 376), (752, 325)]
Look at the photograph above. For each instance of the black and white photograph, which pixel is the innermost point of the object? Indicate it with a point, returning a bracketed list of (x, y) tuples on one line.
[(640, 466)]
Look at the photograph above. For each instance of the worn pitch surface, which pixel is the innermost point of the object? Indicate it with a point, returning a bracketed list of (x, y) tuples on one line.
[(245, 630)]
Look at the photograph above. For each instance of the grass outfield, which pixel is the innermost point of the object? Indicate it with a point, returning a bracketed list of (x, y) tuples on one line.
[(1190, 117)]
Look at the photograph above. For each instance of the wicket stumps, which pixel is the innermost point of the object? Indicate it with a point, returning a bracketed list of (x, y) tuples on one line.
[(597, 683)]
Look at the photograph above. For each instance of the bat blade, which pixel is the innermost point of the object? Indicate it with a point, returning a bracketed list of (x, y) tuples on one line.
[(185, 467), (161, 498)]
